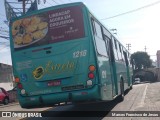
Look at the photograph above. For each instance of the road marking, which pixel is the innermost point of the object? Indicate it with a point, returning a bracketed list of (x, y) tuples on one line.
[(141, 104)]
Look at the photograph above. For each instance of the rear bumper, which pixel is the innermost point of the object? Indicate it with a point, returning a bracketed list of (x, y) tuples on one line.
[(52, 99)]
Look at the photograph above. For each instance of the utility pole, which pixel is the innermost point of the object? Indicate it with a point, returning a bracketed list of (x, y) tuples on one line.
[(23, 6), (128, 46), (145, 49), (114, 31)]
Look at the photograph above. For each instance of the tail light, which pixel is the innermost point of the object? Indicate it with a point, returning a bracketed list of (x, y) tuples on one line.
[(91, 75), (19, 86), (92, 68), (17, 80)]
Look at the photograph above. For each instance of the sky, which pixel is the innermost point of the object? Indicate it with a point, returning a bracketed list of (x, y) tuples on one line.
[(139, 26)]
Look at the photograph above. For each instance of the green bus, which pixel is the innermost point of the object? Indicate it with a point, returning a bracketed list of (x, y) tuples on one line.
[(64, 54)]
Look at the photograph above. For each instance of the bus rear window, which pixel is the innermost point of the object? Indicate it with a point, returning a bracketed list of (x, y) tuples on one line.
[(48, 27)]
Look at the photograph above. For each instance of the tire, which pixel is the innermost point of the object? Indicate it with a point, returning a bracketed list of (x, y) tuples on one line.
[(121, 97), (5, 101)]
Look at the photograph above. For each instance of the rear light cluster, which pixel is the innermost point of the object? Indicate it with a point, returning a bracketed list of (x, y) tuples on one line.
[(91, 75), (91, 69), (20, 86)]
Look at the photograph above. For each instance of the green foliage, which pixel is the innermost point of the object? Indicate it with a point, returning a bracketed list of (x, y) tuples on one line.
[(140, 60)]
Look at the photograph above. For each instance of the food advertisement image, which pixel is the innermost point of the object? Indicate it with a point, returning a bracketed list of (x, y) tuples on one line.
[(48, 27)]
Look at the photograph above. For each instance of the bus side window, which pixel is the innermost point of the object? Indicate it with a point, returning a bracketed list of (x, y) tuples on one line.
[(107, 44), (129, 60), (115, 43), (111, 50), (107, 38), (114, 49), (100, 43), (125, 58), (122, 54), (93, 26), (119, 51), (98, 30)]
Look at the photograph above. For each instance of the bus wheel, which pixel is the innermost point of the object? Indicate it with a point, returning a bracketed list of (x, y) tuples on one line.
[(121, 97)]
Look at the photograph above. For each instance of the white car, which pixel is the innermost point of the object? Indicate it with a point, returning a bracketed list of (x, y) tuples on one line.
[(137, 80)]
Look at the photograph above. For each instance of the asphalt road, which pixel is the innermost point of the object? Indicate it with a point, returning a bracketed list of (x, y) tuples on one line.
[(143, 97)]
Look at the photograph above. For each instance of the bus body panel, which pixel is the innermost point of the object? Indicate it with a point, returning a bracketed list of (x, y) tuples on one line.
[(51, 72), (121, 71), (105, 78), (52, 99)]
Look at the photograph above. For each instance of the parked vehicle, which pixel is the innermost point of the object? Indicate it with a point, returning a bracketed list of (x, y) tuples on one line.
[(4, 96), (12, 95), (137, 80)]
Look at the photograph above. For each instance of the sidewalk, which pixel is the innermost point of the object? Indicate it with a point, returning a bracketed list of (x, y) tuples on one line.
[(8, 105), (143, 98), (151, 102), (152, 98)]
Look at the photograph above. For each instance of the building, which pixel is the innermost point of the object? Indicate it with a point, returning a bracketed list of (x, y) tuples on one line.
[(154, 63), (6, 76), (158, 58)]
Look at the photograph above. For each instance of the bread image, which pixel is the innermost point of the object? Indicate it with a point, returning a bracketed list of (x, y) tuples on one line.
[(16, 23), (35, 20), (29, 30), (38, 34), (42, 25), (27, 39), (15, 27), (26, 22), (14, 32), (18, 40)]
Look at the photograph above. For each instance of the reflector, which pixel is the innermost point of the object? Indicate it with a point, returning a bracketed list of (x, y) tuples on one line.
[(23, 91)]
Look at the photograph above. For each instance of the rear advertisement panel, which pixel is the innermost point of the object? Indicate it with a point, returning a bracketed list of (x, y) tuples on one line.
[(48, 27)]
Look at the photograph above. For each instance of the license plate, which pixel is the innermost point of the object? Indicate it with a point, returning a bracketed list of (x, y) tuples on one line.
[(54, 83)]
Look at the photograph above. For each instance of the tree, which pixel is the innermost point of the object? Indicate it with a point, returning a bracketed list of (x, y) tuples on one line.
[(140, 60)]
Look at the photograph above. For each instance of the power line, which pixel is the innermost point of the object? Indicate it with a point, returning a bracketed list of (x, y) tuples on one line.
[(131, 11), (61, 1), (49, 3), (55, 2), (5, 37), (43, 5)]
